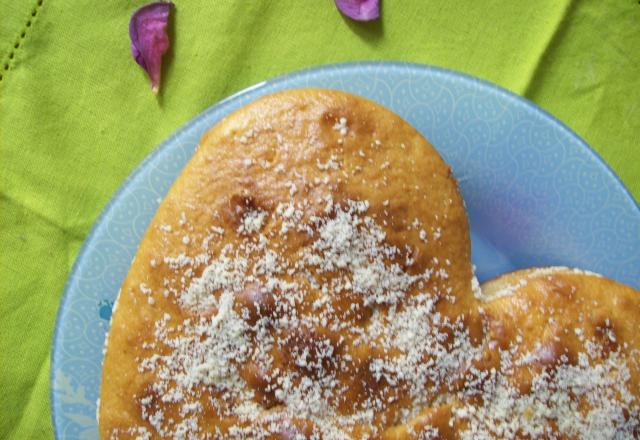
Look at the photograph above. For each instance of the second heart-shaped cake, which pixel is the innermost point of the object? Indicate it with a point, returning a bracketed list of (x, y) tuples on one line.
[(307, 276)]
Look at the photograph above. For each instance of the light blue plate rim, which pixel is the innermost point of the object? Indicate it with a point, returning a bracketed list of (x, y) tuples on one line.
[(329, 68)]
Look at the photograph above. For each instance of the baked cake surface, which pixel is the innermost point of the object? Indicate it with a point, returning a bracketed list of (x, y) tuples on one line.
[(562, 359), (307, 276)]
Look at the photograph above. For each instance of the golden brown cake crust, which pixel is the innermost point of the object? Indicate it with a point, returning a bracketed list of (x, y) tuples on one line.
[(563, 350), (308, 276), (299, 168), (560, 359)]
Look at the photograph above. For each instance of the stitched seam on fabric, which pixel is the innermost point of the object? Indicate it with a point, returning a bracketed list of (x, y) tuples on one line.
[(8, 61)]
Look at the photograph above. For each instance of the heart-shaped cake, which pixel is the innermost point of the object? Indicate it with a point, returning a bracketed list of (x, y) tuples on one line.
[(308, 276)]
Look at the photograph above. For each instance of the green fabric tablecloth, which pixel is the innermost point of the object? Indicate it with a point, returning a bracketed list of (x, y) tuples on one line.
[(77, 115)]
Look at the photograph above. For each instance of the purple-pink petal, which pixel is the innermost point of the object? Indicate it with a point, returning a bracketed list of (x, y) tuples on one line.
[(149, 39), (360, 10)]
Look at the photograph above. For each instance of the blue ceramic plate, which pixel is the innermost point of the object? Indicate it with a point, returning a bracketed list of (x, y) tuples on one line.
[(536, 195)]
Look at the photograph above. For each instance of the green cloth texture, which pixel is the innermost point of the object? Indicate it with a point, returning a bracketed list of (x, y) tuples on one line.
[(77, 114)]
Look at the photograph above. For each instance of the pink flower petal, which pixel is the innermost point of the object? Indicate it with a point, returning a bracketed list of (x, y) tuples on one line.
[(360, 10), (149, 40)]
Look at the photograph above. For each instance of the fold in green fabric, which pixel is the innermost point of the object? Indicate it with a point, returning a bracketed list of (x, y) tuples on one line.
[(76, 113)]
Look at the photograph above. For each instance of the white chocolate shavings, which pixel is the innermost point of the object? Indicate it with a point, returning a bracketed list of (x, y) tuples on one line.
[(475, 286), (209, 360), (426, 363), (178, 262), (331, 164), (411, 349), (589, 399), (252, 222), (225, 273), (292, 188), (341, 126), (355, 245), (137, 432), (347, 253)]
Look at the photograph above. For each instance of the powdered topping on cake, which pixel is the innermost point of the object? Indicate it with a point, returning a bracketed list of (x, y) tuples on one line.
[(308, 277), (274, 335), (273, 339), (589, 398)]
